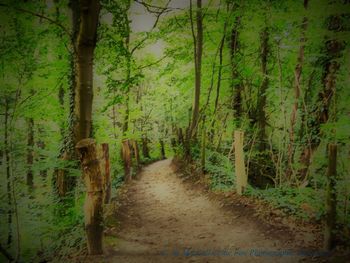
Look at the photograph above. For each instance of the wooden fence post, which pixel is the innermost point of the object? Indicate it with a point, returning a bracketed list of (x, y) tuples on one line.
[(126, 154), (93, 206), (331, 199), (241, 176)]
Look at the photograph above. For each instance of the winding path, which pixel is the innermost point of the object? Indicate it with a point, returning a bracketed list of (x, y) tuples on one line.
[(165, 220)]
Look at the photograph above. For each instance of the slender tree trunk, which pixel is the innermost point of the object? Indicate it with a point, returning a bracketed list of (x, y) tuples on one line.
[(8, 175), (128, 84), (30, 153), (198, 50), (136, 152), (203, 146), (126, 156), (162, 149), (261, 114), (331, 202), (145, 150), (297, 88), (218, 86), (236, 84), (41, 145)]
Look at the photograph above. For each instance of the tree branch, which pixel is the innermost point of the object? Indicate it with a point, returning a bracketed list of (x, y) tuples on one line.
[(153, 63), (153, 27), (52, 21)]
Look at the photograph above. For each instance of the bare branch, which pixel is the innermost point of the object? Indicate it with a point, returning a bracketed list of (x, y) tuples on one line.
[(158, 9), (153, 63), (137, 46)]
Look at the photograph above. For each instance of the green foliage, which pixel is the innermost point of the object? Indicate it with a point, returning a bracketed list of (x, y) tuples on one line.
[(305, 203), (220, 170)]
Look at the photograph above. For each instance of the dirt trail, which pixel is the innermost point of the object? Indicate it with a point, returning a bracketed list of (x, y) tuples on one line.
[(164, 220)]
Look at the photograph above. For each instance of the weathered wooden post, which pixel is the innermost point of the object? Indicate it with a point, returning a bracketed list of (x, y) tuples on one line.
[(241, 176), (331, 199), (126, 155), (93, 206)]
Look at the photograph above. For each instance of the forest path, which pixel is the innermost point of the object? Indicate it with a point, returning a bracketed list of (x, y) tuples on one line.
[(161, 218)]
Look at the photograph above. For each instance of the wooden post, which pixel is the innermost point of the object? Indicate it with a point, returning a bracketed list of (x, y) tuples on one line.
[(331, 199), (126, 155), (93, 206), (241, 176)]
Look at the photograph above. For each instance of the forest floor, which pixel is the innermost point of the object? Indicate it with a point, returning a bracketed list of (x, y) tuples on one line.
[(161, 218)]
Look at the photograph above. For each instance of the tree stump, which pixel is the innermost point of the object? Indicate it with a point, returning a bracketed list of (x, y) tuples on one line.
[(93, 206)]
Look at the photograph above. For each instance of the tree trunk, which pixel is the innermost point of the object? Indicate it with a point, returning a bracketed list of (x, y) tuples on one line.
[(136, 152), (85, 16), (162, 150), (331, 202), (236, 84), (145, 150), (41, 145), (85, 45), (126, 156), (297, 78), (203, 146), (218, 85), (198, 49), (261, 114), (103, 157), (30, 153), (8, 175), (93, 206)]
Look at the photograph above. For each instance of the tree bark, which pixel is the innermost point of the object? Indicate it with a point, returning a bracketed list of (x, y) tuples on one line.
[(198, 50), (8, 174), (85, 45), (236, 85), (41, 144), (261, 114), (126, 156), (218, 85), (136, 152), (297, 88), (162, 150), (30, 153), (85, 17), (93, 206), (331, 202), (145, 150)]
